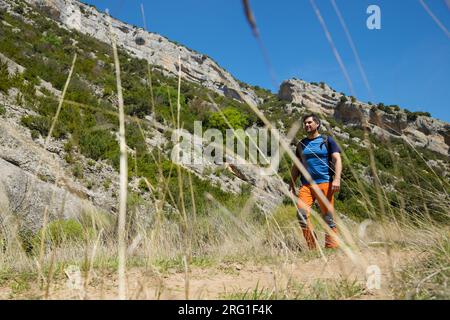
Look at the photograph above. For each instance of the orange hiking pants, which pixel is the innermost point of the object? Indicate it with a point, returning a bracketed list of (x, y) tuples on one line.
[(306, 198)]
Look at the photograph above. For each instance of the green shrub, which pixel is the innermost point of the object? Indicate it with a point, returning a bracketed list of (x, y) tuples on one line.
[(34, 134), (2, 110), (5, 81), (89, 185), (137, 101), (68, 146), (98, 145), (332, 122), (77, 171), (162, 94), (285, 215), (94, 221), (381, 107), (69, 158), (26, 240), (134, 200), (51, 71), (107, 184), (134, 137), (19, 9), (411, 116), (236, 118), (352, 207), (395, 107), (59, 232), (37, 123), (51, 39), (56, 233), (143, 185), (383, 157)]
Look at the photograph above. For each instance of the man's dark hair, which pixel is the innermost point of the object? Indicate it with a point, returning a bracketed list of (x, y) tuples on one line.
[(314, 116)]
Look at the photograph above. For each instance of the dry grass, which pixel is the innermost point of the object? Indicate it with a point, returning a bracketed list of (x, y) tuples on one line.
[(222, 241), (123, 182)]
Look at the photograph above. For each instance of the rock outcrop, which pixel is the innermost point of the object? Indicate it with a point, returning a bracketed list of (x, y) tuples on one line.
[(34, 179), (233, 174), (422, 131), (319, 98), (30, 198)]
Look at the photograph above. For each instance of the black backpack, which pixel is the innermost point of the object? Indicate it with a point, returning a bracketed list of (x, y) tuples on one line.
[(326, 143)]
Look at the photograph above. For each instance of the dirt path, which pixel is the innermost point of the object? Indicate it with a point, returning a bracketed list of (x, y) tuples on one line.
[(230, 280)]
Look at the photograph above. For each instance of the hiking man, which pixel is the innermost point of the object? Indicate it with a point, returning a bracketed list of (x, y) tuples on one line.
[(322, 159)]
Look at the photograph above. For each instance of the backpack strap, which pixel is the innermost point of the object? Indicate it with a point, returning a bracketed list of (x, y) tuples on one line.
[(326, 142), (301, 145), (299, 151)]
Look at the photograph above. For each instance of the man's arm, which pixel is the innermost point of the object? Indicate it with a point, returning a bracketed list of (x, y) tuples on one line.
[(337, 161), (294, 175)]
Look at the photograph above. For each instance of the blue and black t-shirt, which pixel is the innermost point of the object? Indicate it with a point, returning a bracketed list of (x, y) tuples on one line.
[(316, 158)]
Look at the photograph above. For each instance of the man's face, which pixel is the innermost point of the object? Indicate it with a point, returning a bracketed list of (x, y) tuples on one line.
[(310, 125)]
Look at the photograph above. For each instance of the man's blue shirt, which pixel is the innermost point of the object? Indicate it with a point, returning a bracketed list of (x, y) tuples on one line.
[(315, 155)]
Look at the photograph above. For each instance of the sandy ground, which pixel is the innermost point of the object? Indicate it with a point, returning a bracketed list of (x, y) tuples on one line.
[(222, 280)]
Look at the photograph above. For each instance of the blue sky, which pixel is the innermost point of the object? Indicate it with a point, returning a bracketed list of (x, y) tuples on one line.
[(407, 61)]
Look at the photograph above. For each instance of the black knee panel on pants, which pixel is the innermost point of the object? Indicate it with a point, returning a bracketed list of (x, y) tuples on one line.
[(328, 217), (302, 218)]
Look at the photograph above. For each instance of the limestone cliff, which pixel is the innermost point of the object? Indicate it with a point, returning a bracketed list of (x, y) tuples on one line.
[(420, 130)]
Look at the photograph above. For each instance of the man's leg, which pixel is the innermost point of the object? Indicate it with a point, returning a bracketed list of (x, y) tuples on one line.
[(305, 201), (328, 216)]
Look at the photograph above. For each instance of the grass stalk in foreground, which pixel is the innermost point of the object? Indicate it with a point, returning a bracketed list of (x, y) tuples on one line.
[(123, 174)]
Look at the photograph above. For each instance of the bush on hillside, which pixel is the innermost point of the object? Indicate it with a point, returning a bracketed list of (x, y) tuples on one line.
[(235, 118)]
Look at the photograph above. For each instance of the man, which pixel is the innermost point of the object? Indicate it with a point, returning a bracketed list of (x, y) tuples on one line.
[(321, 157)]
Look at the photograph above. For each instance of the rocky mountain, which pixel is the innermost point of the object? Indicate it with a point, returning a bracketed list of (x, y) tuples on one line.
[(198, 68), (420, 130), (35, 176), (77, 170), (154, 48)]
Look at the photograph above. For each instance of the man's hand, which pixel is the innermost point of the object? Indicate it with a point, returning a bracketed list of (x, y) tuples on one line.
[(336, 185)]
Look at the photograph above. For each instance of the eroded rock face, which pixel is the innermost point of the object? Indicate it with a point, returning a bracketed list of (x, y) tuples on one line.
[(320, 98), (424, 131), (29, 197), (233, 174), (350, 113), (152, 47), (33, 179)]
